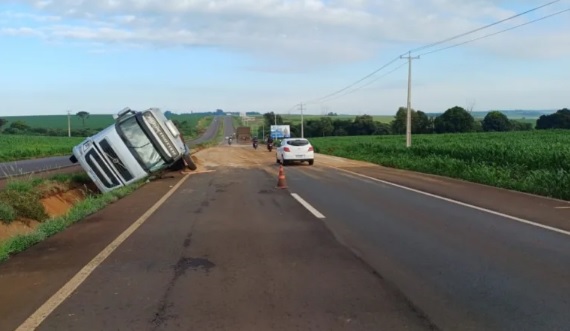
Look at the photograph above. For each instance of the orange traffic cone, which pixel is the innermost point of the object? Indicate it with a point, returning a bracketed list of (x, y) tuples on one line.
[(281, 183)]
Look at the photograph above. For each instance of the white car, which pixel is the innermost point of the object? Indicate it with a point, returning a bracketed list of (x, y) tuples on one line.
[(294, 149)]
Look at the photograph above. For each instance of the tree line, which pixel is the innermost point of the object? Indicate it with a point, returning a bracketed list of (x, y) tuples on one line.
[(453, 120)]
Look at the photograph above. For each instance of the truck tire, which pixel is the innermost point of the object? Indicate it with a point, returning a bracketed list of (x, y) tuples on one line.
[(73, 159), (191, 165)]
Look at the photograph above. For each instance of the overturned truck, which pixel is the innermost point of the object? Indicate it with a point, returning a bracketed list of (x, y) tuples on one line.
[(138, 144)]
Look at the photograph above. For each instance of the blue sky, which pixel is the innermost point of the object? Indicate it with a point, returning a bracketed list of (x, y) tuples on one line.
[(268, 55)]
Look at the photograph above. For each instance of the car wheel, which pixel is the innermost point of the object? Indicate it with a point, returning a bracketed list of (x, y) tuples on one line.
[(277, 161), (73, 159), (311, 162)]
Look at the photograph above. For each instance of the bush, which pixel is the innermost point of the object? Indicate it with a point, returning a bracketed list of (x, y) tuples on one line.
[(7, 213)]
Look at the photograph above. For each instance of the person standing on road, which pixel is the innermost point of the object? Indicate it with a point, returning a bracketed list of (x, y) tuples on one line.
[(269, 142)]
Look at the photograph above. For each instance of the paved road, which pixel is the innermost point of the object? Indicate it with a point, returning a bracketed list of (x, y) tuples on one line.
[(210, 132), (229, 251), (229, 130), (465, 269), (22, 167)]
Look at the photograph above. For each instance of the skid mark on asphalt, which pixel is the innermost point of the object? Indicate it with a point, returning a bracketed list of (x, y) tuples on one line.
[(187, 241), (161, 316), (184, 264)]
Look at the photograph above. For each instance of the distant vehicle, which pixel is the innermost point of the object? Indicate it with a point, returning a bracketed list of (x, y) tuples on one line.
[(294, 149), (139, 144)]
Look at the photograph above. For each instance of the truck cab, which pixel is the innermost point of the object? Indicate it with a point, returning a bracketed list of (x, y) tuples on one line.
[(138, 144)]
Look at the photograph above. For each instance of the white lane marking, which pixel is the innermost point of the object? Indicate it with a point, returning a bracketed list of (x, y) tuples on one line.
[(32, 322), (308, 206), (561, 207), (514, 218)]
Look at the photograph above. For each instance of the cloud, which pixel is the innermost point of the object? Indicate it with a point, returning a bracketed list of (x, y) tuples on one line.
[(301, 33)]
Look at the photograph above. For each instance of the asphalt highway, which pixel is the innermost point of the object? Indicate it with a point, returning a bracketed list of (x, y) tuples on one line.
[(464, 268), (333, 251)]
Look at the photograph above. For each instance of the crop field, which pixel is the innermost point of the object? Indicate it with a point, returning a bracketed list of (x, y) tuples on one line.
[(94, 121), (533, 161), (19, 147)]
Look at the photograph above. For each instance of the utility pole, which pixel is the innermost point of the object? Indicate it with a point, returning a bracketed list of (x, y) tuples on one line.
[(409, 116), (302, 125), (69, 123), (275, 117)]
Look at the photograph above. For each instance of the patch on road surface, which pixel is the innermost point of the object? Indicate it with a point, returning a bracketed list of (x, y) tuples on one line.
[(161, 316)]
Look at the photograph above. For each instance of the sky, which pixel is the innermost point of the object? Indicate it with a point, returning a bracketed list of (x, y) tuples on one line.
[(271, 55)]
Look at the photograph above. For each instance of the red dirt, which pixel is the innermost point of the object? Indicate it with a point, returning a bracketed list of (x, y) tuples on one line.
[(59, 204), (17, 227), (57, 201)]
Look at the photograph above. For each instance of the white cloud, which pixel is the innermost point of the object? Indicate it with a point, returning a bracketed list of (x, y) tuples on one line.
[(304, 32)]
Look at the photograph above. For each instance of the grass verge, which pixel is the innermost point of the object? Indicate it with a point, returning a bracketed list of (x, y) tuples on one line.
[(212, 142), (19, 147), (536, 162), (49, 227)]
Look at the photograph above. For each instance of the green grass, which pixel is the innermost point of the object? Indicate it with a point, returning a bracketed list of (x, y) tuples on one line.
[(202, 125), (191, 125), (94, 121), (22, 195), (16, 147), (237, 121), (50, 227), (7, 213), (534, 161), (212, 142), (21, 147)]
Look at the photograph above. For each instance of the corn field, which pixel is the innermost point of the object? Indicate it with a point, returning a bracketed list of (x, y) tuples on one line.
[(17, 147), (534, 161)]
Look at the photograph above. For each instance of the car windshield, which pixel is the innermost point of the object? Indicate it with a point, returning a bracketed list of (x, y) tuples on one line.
[(139, 144), (298, 142)]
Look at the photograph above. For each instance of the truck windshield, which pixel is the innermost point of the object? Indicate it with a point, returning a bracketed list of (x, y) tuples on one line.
[(139, 144)]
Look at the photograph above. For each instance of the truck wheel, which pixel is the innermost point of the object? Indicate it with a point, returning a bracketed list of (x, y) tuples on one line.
[(73, 159), (191, 165)]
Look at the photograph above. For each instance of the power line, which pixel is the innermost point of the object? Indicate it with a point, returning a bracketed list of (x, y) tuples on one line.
[(496, 33), (481, 28), (368, 83), (427, 46), (358, 81)]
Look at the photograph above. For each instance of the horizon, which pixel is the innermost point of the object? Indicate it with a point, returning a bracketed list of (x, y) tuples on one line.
[(200, 55), (542, 111)]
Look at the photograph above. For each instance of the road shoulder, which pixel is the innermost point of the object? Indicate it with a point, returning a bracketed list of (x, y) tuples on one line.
[(29, 278), (542, 210)]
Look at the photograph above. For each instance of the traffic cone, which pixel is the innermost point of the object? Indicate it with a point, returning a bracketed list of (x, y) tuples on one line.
[(281, 183)]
